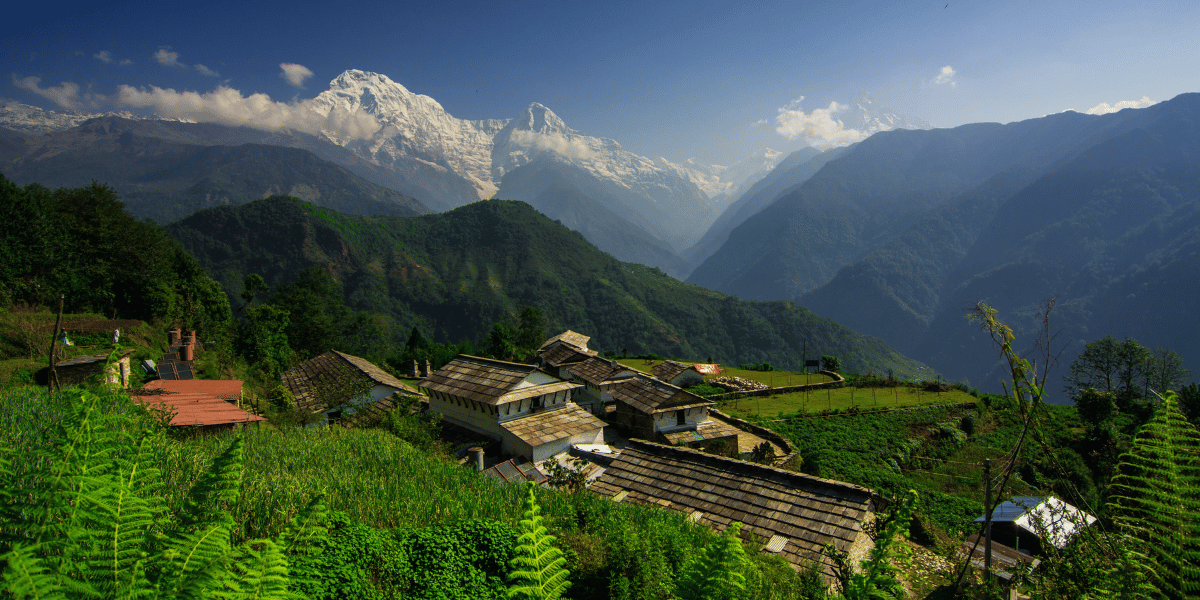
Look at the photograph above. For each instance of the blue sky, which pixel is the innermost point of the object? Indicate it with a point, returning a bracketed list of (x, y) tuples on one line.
[(714, 81)]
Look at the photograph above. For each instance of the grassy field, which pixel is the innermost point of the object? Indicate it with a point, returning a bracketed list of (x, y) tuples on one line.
[(772, 378), (866, 399)]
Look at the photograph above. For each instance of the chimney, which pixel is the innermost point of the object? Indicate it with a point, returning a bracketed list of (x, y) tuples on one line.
[(185, 353), (173, 337), (191, 339), (475, 454), (416, 371), (425, 371)]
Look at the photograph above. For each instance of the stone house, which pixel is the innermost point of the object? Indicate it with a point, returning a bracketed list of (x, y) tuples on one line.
[(341, 387), (570, 338), (598, 377), (652, 409), (529, 410), (678, 374), (81, 369), (792, 514)]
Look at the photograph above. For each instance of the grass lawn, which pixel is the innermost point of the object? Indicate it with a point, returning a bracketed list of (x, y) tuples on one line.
[(817, 400), (771, 378)]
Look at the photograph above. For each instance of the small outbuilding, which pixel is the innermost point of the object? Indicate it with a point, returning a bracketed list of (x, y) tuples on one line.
[(652, 409), (202, 403), (678, 374), (1027, 523), (340, 386), (598, 377), (82, 369)]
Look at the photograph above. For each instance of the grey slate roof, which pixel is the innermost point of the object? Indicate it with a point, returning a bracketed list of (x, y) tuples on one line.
[(331, 379), (808, 512), (563, 354), (578, 340), (551, 425), (596, 370), (485, 380), (669, 369), (650, 395)]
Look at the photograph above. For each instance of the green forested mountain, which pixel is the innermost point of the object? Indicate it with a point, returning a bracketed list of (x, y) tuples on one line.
[(455, 274), (166, 171), (910, 228)]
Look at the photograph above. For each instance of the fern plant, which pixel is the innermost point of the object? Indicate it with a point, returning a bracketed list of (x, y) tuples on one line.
[(718, 573), (90, 525), (539, 571), (1155, 501)]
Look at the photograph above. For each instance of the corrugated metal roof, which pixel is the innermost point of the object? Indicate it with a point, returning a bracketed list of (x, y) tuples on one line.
[(708, 369), (199, 402)]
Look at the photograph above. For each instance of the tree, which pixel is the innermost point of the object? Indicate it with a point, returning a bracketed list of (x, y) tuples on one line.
[(1097, 367), (501, 342), (831, 363), (263, 340), (253, 286), (531, 330), (1095, 407), (1189, 403), (1166, 371)]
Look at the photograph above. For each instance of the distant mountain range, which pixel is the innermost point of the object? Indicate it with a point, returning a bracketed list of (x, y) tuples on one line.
[(455, 274), (898, 235), (662, 209)]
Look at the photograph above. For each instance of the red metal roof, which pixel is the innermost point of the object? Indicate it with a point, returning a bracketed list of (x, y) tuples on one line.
[(200, 402)]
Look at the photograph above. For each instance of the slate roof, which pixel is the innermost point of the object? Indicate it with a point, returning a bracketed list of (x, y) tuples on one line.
[(596, 370), (199, 402), (705, 430), (806, 512), (669, 369), (513, 472), (562, 354), (329, 380), (79, 361), (551, 425), (487, 380), (650, 395), (570, 337)]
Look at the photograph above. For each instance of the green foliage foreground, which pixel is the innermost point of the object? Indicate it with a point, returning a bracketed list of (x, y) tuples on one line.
[(403, 523)]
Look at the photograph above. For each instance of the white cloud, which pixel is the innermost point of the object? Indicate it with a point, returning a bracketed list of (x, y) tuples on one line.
[(574, 148), (294, 74), (946, 75), (820, 129), (125, 61), (165, 57), (228, 106), (759, 123), (103, 56), (207, 71), (66, 95), (1104, 108)]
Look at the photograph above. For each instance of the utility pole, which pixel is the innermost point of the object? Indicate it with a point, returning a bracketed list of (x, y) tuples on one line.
[(52, 382), (987, 519)]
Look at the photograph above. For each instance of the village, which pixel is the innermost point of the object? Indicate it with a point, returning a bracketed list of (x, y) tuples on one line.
[(621, 433)]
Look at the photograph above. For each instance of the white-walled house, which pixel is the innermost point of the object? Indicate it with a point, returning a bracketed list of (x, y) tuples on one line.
[(529, 410), (678, 374), (340, 386), (598, 377)]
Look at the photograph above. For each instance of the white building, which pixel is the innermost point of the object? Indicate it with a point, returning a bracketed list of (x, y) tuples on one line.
[(529, 410), (340, 386)]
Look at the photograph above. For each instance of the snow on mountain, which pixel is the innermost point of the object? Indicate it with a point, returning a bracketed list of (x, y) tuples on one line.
[(868, 117), (413, 126), (24, 118)]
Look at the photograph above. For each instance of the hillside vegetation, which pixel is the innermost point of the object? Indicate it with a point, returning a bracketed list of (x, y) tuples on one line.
[(455, 274)]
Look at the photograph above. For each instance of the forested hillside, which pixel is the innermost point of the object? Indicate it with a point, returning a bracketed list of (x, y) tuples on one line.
[(455, 274), (902, 234), (166, 171)]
